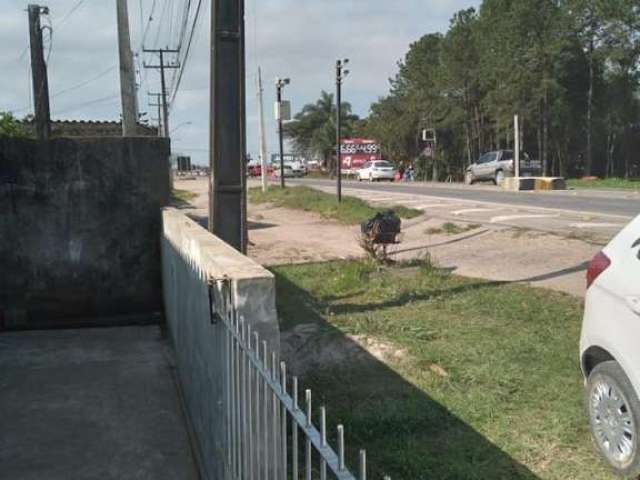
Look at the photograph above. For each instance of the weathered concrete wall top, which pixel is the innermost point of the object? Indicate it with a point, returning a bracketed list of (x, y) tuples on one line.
[(79, 226), (191, 257)]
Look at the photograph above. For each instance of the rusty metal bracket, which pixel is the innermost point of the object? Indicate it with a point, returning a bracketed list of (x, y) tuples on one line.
[(219, 298)]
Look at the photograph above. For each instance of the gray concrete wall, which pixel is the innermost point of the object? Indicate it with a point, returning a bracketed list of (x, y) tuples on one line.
[(79, 228), (191, 256)]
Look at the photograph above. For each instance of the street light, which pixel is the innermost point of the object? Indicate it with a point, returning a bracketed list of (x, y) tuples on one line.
[(280, 84), (341, 74)]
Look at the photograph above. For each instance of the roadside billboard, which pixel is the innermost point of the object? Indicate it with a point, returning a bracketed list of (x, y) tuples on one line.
[(357, 151)]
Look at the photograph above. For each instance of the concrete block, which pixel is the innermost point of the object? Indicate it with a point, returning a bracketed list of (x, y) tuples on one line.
[(534, 183)]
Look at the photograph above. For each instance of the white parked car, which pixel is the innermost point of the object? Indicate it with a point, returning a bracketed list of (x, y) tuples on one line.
[(298, 168), (610, 350), (377, 170), (288, 171)]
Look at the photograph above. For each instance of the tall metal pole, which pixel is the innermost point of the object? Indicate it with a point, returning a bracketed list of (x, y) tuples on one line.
[(227, 129), (340, 75), (339, 128), (516, 146), (279, 86), (127, 73), (262, 140), (39, 74)]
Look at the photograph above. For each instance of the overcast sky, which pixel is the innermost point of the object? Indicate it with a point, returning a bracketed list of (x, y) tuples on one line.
[(300, 39)]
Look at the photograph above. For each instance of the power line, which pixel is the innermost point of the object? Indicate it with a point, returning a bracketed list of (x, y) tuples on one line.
[(183, 63), (85, 82), (85, 104), (162, 15), (73, 87), (71, 12)]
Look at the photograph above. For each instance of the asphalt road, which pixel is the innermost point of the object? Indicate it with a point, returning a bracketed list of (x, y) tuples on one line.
[(601, 202)]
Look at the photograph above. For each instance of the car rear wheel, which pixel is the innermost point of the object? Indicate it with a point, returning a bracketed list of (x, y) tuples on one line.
[(614, 417)]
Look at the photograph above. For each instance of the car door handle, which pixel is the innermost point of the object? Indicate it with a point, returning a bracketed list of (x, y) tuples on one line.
[(634, 304)]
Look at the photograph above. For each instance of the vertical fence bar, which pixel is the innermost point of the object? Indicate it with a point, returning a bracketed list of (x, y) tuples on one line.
[(341, 448), (363, 465), (323, 437), (234, 430), (283, 419), (238, 403), (294, 432), (308, 445), (274, 416), (265, 410), (245, 399), (227, 410), (256, 351)]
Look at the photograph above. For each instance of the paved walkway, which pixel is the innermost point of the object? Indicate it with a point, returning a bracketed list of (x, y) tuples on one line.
[(96, 403)]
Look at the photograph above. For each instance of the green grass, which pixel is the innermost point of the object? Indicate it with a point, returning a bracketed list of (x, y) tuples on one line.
[(450, 228), (605, 183), (488, 386), (182, 196), (350, 211)]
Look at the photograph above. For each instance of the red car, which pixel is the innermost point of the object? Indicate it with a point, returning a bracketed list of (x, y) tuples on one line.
[(255, 170)]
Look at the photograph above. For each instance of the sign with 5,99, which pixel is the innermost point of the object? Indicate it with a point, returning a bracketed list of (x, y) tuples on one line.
[(359, 147)]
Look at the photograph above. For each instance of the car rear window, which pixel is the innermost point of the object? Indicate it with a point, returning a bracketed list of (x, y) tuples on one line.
[(383, 164)]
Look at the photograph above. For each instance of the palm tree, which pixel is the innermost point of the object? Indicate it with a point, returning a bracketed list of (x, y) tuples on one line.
[(313, 130)]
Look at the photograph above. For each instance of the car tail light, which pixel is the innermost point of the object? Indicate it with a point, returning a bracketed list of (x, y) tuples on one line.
[(598, 265)]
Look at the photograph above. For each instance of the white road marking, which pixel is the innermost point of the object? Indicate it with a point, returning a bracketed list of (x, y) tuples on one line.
[(596, 225), (508, 218), (435, 205), (475, 210)]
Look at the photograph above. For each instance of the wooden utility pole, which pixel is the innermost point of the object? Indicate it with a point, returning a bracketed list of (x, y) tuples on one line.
[(262, 139), (162, 67), (227, 128), (39, 73), (158, 105), (127, 73)]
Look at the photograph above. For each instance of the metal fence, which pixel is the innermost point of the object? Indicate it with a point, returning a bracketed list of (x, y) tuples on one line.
[(270, 435)]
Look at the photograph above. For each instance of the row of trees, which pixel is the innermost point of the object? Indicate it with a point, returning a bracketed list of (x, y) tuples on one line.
[(568, 68)]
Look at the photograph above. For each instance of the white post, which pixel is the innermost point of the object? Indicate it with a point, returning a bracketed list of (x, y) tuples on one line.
[(263, 140), (516, 157)]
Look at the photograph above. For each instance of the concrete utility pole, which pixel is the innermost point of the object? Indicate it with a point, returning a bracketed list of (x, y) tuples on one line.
[(39, 73), (127, 73), (280, 84), (340, 76), (162, 67), (227, 128), (262, 139)]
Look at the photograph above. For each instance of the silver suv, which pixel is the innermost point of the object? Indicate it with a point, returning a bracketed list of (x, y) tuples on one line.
[(499, 164)]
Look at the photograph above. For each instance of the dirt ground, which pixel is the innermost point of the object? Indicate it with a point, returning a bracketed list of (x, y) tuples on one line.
[(280, 236)]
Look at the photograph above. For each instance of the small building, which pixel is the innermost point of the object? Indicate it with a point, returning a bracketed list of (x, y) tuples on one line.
[(89, 128)]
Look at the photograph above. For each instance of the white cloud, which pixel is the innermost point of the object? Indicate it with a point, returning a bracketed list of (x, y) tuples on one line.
[(300, 39)]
